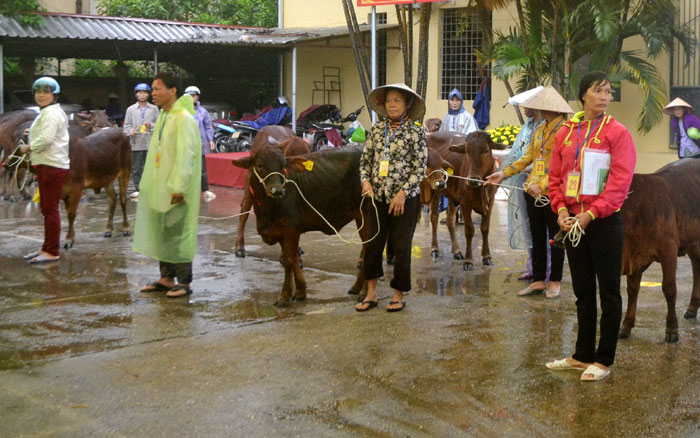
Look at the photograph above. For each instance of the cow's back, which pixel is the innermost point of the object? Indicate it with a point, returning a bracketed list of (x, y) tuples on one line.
[(441, 142), (332, 186), (661, 209), (279, 133), (99, 157)]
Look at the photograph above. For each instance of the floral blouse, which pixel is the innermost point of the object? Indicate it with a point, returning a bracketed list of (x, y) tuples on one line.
[(406, 151)]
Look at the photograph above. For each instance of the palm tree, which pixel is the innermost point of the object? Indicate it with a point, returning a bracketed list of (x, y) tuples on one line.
[(553, 35)]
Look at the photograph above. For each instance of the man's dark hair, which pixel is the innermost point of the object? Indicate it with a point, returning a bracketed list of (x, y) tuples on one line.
[(170, 80), (589, 80)]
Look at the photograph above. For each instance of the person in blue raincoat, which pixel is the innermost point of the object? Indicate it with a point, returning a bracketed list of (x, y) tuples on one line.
[(457, 118), (482, 105)]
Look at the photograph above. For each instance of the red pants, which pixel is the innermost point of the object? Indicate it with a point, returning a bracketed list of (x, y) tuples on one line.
[(50, 192)]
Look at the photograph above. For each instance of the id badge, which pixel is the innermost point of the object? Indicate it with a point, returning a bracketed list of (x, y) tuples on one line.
[(384, 168), (157, 160), (573, 181), (539, 167), (143, 129)]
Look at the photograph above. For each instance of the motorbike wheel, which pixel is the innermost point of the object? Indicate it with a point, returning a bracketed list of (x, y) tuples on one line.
[(224, 144), (320, 143), (244, 142)]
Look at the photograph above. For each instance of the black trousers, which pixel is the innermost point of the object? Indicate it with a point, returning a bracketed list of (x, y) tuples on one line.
[(400, 230), (181, 271), (138, 160), (598, 256), (205, 182), (543, 223)]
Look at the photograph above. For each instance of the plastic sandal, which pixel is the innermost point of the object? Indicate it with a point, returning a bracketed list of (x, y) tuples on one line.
[(562, 365), (372, 305), (530, 291), (176, 291), (594, 373)]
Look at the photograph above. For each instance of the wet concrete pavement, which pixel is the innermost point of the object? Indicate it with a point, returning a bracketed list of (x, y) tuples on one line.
[(83, 353)]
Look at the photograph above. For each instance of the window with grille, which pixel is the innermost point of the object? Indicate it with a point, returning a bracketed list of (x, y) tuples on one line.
[(462, 34)]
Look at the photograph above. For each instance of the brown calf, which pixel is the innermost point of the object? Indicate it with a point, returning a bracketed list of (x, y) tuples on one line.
[(95, 162), (478, 163), (661, 219)]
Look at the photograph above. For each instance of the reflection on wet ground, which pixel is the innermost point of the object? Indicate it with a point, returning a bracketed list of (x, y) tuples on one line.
[(465, 358)]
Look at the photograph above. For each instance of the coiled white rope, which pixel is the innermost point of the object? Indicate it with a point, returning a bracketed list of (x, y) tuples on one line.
[(362, 224), (540, 200), (18, 160), (575, 233)]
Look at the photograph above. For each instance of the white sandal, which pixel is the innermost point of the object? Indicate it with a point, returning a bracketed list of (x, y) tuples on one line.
[(562, 365), (596, 372)]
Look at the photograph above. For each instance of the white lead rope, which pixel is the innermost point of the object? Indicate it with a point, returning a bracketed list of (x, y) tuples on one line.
[(575, 233), (362, 224), (18, 160), (226, 217)]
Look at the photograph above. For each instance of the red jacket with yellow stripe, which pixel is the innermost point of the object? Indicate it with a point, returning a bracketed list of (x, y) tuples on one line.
[(609, 136)]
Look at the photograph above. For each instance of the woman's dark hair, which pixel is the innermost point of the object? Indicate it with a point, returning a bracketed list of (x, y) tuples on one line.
[(170, 80), (589, 80)]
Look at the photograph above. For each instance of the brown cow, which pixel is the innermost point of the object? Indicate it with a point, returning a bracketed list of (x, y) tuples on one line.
[(9, 140), (661, 223), (441, 142), (478, 163), (331, 185), (432, 125), (261, 141)]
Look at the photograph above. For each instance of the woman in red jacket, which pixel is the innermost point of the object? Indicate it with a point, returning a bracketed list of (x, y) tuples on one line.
[(590, 174)]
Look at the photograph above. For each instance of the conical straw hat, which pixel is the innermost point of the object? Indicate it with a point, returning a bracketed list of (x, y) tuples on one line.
[(668, 109), (376, 101), (519, 98), (548, 99)]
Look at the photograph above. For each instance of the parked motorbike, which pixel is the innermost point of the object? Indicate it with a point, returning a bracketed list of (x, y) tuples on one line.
[(237, 136), (329, 132), (223, 136)]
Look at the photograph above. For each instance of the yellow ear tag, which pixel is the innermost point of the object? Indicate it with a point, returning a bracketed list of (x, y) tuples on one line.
[(450, 171), (308, 164), (36, 196)]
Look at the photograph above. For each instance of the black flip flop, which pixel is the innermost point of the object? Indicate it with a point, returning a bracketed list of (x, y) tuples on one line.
[(157, 287), (396, 309), (372, 305), (179, 287)]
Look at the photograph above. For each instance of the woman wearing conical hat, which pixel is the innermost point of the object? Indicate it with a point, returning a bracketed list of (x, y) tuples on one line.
[(391, 169), (686, 128), (553, 109)]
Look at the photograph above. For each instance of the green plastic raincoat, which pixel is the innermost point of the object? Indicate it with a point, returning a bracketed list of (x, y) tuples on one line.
[(168, 232)]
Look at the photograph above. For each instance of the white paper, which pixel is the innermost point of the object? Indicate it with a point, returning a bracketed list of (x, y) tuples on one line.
[(594, 173)]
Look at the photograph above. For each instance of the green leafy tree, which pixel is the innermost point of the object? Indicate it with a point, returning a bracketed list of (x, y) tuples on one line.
[(261, 13), (23, 10)]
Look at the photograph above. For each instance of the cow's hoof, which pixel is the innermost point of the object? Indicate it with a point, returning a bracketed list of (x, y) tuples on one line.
[(301, 251), (282, 303), (68, 245), (299, 297), (458, 255), (352, 291), (671, 338), (468, 266), (623, 334), (107, 234), (126, 233), (435, 253), (488, 261), (690, 314), (390, 260), (240, 252)]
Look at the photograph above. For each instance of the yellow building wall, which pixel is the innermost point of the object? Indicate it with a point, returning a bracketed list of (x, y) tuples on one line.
[(652, 149), (65, 6)]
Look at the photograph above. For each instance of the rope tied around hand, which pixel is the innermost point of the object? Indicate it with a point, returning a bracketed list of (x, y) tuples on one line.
[(575, 233), (18, 160), (362, 224), (540, 200)]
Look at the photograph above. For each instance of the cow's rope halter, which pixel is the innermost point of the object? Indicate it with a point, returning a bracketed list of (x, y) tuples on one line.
[(18, 160), (362, 224)]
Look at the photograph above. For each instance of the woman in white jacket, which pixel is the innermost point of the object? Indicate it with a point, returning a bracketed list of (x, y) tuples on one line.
[(457, 118), (48, 144)]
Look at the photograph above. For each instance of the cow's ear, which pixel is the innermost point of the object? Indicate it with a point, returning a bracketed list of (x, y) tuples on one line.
[(425, 192), (461, 149), (296, 163), (499, 146), (448, 167), (243, 163)]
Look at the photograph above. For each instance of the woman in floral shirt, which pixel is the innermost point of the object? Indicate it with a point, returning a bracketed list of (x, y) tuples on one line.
[(391, 169)]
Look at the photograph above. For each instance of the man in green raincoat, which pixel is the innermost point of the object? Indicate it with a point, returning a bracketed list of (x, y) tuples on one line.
[(168, 208)]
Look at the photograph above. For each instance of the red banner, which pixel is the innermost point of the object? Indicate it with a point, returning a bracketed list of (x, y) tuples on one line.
[(391, 2)]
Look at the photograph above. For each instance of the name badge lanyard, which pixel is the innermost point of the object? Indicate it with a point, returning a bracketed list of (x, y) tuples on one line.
[(386, 133), (585, 140), (545, 140), (143, 118)]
